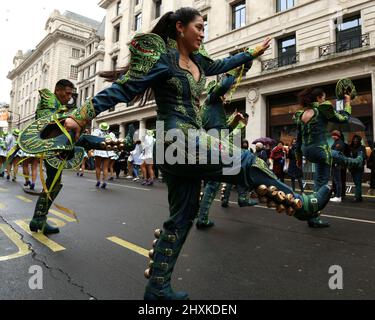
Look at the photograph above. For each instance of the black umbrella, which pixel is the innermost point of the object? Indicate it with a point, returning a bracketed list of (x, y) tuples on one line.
[(353, 125), (265, 141)]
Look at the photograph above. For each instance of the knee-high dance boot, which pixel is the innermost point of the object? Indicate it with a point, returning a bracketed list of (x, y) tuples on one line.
[(39, 221), (209, 196), (244, 199), (351, 163), (225, 192), (280, 196), (167, 247)]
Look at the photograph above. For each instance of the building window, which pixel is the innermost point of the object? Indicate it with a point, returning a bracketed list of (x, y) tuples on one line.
[(116, 33), (76, 53), (89, 50), (74, 72), (93, 90), (239, 15), (86, 93), (137, 2), (114, 63), (118, 8), (138, 22), (157, 8), (205, 19), (349, 34), (287, 48), (283, 5), (86, 73)]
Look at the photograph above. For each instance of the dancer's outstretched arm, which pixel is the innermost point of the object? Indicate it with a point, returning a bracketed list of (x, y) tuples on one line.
[(332, 115)]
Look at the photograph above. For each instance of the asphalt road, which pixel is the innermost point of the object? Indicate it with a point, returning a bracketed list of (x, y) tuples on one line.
[(251, 254)]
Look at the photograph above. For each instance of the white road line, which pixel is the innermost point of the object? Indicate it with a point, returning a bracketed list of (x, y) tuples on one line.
[(122, 186), (323, 215), (348, 219)]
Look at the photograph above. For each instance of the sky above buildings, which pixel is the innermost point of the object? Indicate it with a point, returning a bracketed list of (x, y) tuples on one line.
[(22, 25)]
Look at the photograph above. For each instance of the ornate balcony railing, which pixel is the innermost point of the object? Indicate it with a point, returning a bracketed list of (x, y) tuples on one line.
[(345, 45), (279, 62)]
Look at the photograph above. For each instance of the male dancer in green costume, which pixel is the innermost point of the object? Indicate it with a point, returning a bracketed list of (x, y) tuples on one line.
[(214, 117)]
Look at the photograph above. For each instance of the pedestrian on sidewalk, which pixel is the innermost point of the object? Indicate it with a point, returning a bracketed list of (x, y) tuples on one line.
[(137, 161), (339, 146), (357, 148), (294, 171), (371, 166)]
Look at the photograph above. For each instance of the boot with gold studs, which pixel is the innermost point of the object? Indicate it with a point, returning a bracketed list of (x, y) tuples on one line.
[(303, 207), (164, 254)]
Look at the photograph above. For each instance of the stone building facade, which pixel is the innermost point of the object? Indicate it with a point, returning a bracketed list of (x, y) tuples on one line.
[(315, 43), (54, 58)]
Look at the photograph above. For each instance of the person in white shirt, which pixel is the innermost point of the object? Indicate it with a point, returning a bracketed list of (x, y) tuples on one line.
[(11, 141), (147, 166), (137, 161), (102, 158)]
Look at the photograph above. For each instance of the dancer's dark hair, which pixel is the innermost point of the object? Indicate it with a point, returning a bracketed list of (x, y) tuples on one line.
[(310, 95), (63, 83)]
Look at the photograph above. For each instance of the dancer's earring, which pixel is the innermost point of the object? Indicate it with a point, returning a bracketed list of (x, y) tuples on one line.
[(182, 35)]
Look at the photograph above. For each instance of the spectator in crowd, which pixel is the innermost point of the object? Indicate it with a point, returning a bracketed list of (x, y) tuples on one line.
[(338, 145), (261, 152), (245, 145), (11, 141), (147, 157), (294, 172), (120, 164), (277, 159), (137, 161), (102, 158), (371, 166), (130, 165), (356, 148)]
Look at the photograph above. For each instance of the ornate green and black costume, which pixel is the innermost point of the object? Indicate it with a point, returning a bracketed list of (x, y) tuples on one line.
[(313, 145), (312, 140), (47, 138), (155, 64), (214, 117)]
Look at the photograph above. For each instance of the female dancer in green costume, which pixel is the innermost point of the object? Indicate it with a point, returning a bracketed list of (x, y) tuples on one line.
[(172, 61)]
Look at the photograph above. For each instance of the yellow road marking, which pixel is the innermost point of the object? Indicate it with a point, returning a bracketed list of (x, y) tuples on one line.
[(62, 216), (23, 248), (130, 246), (24, 199), (55, 247), (3, 190), (2, 206)]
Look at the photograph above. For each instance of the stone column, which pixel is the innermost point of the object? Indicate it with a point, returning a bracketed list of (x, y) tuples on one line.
[(142, 129), (122, 131), (256, 107)]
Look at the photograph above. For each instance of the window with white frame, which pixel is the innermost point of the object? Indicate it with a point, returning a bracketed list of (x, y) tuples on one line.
[(116, 33), (238, 15), (158, 4), (74, 72), (205, 19), (118, 8), (283, 5), (138, 22)]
